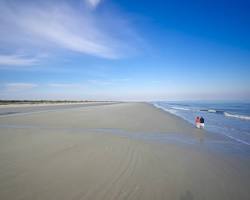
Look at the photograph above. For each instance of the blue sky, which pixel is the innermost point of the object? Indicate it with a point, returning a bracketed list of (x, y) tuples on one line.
[(125, 50)]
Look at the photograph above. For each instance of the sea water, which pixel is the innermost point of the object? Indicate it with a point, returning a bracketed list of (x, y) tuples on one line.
[(231, 119)]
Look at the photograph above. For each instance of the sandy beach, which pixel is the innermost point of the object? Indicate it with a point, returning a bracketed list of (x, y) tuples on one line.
[(115, 151)]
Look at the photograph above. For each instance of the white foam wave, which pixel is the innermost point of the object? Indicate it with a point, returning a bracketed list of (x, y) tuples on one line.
[(180, 108), (212, 111), (244, 117), (165, 109)]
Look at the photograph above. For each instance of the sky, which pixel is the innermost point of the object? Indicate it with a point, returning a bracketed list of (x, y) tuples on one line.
[(125, 50)]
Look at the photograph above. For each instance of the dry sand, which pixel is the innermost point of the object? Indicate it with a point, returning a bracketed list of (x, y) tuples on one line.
[(91, 153)]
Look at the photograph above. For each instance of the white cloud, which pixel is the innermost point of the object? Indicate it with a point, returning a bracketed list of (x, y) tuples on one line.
[(93, 3), (17, 60), (13, 87), (52, 26), (65, 85)]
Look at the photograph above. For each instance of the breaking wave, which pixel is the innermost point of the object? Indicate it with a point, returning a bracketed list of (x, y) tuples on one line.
[(222, 112), (244, 117)]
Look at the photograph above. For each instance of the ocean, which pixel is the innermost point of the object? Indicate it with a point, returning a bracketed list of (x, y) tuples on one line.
[(229, 119)]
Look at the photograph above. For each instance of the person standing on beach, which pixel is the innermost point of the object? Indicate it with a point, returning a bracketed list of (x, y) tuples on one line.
[(202, 121), (197, 122)]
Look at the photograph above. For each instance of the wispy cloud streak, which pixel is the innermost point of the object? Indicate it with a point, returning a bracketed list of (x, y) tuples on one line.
[(93, 3), (13, 87), (63, 26), (66, 85), (16, 60)]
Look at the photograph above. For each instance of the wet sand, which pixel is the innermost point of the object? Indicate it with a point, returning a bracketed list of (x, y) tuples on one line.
[(115, 151)]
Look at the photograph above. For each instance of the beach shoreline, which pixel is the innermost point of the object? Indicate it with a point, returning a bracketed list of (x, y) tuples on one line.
[(115, 151)]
